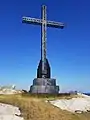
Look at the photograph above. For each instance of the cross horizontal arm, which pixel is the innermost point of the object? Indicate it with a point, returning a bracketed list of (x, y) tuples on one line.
[(29, 20), (35, 21), (55, 24)]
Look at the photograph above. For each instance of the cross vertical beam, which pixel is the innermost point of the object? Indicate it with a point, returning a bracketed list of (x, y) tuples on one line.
[(43, 40), (44, 23)]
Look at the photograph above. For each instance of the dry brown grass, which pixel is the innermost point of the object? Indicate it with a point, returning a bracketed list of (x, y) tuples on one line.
[(34, 108)]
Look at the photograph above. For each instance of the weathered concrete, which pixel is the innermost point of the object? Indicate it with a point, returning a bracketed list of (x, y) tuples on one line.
[(44, 85)]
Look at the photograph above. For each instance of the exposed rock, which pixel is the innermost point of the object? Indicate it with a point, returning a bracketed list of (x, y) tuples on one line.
[(24, 91), (9, 112), (9, 90), (77, 105), (78, 111)]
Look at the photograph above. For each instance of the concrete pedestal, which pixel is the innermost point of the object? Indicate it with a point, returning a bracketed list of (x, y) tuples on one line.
[(44, 85)]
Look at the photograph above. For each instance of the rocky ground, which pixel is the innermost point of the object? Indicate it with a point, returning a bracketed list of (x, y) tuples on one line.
[(35, 107), (9, 112), (79, 104)]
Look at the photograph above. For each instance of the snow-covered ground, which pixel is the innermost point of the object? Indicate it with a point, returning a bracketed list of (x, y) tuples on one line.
[(9, 112), (79, 104)]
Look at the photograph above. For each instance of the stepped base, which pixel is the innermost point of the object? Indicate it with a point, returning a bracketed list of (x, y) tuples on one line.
[(44, 85)]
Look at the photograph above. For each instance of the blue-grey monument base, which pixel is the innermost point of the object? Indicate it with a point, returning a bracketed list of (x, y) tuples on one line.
[(44, 85)]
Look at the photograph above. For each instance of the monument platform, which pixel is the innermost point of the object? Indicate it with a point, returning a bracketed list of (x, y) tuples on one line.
[(44, 85)]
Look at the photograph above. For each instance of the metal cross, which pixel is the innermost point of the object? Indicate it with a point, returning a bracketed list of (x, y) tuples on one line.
[(44, 24)]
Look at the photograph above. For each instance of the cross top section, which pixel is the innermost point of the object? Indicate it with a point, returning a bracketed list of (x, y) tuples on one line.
[(44, 24)]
